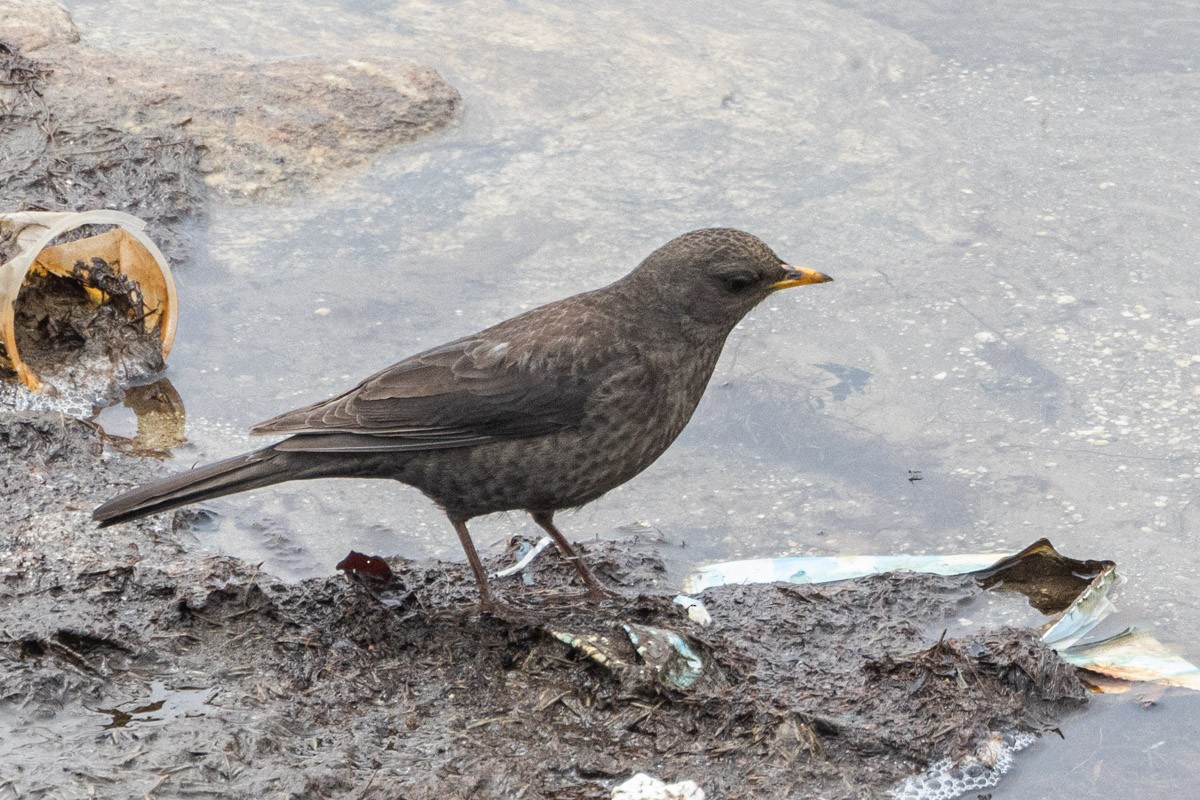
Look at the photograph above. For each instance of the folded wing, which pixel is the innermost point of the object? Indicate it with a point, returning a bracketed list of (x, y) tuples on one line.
[(462, 393)]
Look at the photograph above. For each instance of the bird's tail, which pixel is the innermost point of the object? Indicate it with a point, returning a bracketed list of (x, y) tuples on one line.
[(238, 474)]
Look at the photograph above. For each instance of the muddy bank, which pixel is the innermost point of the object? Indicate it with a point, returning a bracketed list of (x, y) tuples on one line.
[(82, 127), (132, 667)]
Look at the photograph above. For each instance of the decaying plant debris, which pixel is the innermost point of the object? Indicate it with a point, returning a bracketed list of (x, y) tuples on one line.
[(55, 157), (94, 313), (62, 332)]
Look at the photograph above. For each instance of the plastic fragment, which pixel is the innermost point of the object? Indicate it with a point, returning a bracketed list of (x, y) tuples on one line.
[(1134, 655), (822, 569), (696, 610), (526, 559), (1092, 605), (643, 787), (670, 655), (596, 647)]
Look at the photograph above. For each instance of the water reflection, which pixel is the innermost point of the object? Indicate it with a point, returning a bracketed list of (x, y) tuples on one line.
[(159, 417)]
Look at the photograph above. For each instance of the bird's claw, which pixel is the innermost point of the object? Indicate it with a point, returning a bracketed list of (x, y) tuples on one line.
[(598, 591), (494, 607)]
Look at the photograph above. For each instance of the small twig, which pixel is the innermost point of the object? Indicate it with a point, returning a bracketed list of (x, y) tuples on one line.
[(479, 723), (547, 703)]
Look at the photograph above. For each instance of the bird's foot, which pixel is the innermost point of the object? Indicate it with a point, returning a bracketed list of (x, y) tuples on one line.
[(598, 591), (595, 589), (495, 607)]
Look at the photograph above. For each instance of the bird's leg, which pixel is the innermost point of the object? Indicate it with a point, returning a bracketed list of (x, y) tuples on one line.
[(488, 602), (595, 587)]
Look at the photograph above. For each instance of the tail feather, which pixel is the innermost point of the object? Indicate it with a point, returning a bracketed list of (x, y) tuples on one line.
[(238, 474)]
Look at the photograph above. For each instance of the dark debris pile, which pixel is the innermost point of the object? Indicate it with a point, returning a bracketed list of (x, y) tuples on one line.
[(63, 334), (337, 688), (79, 162)]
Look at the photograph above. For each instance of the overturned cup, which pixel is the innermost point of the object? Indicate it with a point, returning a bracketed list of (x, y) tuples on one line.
[(127, 254)]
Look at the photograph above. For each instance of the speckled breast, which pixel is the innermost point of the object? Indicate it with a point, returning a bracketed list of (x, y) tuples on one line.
[(632, 420)]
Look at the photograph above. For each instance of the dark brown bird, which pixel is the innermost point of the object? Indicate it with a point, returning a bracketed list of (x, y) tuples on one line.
[(545, 411)]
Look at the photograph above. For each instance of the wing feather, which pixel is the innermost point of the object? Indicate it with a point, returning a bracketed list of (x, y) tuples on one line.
[(462, 393)]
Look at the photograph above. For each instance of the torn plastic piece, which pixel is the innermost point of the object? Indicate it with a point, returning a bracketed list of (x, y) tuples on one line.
[(1050, 580), (127, 249), (1131, 655), (823, 569), (668, 653), (596, 647), (670, 656), (1134, 655), (527, 559), (643, 787), (1087, 610), (696, 610)]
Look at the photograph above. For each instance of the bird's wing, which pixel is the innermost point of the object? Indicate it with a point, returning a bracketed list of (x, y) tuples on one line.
[(459, 394)]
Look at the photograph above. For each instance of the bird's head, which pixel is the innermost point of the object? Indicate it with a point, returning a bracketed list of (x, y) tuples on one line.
[(711, 278)]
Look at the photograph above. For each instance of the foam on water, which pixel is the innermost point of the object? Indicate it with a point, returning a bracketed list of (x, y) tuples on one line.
[(947, 779), (72, 402)]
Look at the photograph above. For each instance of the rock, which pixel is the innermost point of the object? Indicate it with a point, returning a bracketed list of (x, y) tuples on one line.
[(30, 25)]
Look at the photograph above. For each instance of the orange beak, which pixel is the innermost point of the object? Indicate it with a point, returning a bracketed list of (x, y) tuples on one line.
[(800, 276)]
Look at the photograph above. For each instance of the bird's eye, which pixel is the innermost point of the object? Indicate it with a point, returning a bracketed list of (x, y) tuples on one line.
[(738, 283)]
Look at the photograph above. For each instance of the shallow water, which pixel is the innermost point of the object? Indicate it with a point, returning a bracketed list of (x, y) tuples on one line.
[(1007, 199)]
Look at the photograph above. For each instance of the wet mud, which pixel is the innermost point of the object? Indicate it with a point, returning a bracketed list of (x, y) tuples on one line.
[(133, 667), (59, 155)]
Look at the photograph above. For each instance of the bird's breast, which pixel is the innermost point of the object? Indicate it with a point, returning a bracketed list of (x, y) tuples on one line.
[(640, 411), (633, 415)]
